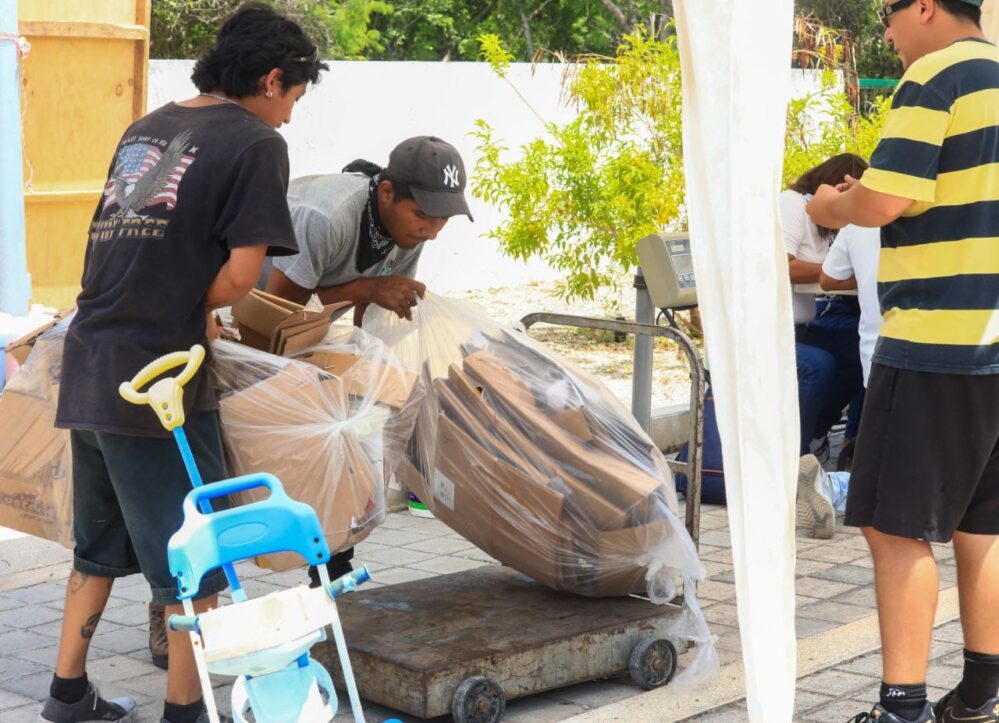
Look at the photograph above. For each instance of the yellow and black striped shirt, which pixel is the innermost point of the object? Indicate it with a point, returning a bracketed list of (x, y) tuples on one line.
[(938, 280)]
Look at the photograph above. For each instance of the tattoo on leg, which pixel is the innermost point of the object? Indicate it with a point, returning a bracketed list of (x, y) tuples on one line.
[(77, 580), (89, 627)]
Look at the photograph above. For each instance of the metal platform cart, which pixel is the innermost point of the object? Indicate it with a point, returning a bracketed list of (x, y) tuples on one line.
[(465, 643)]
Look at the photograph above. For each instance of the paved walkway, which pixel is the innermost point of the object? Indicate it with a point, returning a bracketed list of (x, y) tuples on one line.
[(836, 627)]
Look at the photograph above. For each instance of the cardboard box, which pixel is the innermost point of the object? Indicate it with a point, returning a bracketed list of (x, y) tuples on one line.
[(279, 326), (361, 377), (505, 513), (290, 425), (582, 501), (21, 348), (613, 479), (36, 481)]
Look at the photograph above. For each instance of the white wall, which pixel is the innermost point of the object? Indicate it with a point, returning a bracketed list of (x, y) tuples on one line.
[(362, 109)]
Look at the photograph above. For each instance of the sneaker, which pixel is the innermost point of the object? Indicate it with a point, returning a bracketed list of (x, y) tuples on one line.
[(880, 715), (814, 510), (159, 644), (90, 709), (951, 709)]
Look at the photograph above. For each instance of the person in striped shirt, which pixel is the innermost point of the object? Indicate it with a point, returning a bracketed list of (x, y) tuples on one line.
[(927, 460)]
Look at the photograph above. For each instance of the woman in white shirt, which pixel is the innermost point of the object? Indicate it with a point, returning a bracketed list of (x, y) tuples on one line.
[(822, 378)]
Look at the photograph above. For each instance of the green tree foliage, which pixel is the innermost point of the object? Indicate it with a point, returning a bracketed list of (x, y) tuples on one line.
[(449, 29), (858, 18), (341, 28), (581, 196), (825, 123)]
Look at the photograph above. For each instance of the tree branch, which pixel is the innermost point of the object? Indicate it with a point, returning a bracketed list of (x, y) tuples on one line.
[(618, 14)]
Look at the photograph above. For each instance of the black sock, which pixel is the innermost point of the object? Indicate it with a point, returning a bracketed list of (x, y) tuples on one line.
[(981, 679), (905, 701), (176, 713), (68, 690)]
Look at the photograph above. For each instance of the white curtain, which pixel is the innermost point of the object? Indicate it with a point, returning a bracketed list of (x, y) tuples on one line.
[(736, 85), (990, 19)]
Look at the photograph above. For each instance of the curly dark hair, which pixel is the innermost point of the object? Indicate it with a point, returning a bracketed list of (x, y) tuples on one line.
[(252, 41)]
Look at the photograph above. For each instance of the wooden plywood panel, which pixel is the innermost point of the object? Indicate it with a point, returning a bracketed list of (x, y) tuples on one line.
[(78, 103), (77, 11), (58, 235), (83, 84)]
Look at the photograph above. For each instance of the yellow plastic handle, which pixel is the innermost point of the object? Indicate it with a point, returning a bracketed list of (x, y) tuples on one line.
[(166, 396)]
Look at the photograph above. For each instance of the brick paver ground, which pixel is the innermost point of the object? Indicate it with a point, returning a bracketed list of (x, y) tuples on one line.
[(834, 587)]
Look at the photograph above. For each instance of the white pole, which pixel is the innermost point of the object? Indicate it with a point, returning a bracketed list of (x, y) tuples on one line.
[(14, 282)]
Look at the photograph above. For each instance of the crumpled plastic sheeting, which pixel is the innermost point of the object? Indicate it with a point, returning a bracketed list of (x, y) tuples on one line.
[(315, 423), (736, 86), (535, 462)]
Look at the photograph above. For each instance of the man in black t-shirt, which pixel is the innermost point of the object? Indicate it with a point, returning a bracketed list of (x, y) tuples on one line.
[(195, 198)]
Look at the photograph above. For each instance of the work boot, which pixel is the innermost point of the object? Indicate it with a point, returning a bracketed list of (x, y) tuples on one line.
[(159, 644), (880, 715), (89, 709), (951, 709), (814, 509)]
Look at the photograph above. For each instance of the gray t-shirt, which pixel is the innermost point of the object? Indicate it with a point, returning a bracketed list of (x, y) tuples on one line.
[(326, 212)]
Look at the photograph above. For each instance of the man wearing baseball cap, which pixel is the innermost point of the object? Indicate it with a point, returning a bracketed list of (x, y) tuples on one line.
[(360, 238), (926, 465)]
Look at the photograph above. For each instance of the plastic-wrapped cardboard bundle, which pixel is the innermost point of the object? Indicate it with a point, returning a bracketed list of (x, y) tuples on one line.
[(535, 462), (316, 423), (36, 484)]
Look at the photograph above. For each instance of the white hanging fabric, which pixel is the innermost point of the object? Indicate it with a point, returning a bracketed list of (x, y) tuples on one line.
[(736, 85), (990, 20)]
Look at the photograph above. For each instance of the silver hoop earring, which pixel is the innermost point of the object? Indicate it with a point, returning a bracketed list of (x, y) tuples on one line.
[(268, 94)]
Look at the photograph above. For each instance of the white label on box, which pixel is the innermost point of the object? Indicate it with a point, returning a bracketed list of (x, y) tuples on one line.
[(444, 489)]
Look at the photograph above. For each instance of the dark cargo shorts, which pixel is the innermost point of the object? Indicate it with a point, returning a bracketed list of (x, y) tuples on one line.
[(127, 498), (927, 455)]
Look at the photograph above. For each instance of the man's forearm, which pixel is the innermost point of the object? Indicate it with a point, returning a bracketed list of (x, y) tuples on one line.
[(226, 290), (356, 291), (858, 205), (803, 272)]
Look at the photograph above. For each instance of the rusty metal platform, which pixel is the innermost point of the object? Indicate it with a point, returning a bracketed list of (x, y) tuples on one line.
[(412, 645)]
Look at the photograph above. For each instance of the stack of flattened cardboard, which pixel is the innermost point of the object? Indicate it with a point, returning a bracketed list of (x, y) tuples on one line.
[(36, 487), (316, 424), (534, 465), (272, 324)]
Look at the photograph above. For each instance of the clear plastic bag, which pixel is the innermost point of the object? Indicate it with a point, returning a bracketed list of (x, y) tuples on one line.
[(535, 462), (36, 482), (315, 422)]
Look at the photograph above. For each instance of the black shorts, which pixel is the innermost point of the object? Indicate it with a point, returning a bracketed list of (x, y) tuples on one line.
[(127, 498), (927, 457)]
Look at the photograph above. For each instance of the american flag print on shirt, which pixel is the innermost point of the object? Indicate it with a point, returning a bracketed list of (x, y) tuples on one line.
[(145, 176)]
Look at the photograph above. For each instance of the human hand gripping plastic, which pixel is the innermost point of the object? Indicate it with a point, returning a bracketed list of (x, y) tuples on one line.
[(276, 678)]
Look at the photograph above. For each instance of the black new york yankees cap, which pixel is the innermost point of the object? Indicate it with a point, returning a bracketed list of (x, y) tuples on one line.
[(435, 173)]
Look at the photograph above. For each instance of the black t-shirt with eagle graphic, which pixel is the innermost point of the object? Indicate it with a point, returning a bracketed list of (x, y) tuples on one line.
[(185, 186)]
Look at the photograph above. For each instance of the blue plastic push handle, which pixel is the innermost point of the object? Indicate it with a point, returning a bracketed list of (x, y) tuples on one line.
[(237, 484)]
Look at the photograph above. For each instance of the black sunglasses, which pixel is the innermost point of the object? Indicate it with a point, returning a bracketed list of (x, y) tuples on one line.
[(886, 11)]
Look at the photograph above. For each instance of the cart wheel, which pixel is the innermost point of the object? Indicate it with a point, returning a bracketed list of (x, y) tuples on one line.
[(653, 663), (478, 700)]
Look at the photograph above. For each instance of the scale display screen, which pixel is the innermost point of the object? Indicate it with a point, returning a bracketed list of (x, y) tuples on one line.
[(683, 267)]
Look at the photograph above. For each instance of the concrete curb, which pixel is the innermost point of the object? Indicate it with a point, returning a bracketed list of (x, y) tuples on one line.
[(814, 654)]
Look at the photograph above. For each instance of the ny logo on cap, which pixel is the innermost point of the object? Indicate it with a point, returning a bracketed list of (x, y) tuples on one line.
[(451, 176)]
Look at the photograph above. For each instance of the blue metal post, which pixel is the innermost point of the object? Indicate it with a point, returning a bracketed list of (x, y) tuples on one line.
[(14, 282)]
